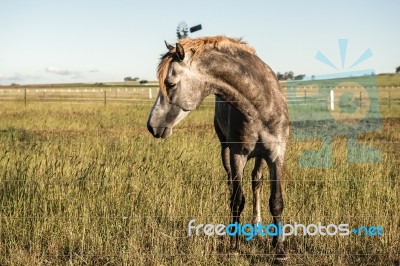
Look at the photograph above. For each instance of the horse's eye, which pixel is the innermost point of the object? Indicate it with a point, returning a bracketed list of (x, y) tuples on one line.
[(170, 84)]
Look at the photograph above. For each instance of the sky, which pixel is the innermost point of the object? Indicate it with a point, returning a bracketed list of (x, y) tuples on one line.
[(54, 41)]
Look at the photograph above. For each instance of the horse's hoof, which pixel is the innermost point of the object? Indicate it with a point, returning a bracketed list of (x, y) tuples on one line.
[(234, 253), (280, 259), (234, 245), (234, 250)]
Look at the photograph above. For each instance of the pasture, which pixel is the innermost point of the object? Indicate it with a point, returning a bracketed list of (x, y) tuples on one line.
[(84, 183)]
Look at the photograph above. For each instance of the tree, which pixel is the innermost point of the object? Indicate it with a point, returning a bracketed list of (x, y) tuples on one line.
[(279, 76), (143, 82), (299, 77), (289, 75), (286, 76), (131, 79), (398, 69)]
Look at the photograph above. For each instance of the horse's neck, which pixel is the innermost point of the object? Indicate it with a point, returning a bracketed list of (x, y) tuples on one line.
[(240, 82), (237, 98)]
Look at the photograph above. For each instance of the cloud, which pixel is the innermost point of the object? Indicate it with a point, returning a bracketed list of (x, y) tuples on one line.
[(69, 73), (19, 77), (63, 72)]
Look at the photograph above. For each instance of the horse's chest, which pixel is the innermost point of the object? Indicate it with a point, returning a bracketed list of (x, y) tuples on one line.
[(235, 127)]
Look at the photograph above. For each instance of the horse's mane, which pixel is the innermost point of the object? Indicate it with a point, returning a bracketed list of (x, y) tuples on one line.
[(197, 47)]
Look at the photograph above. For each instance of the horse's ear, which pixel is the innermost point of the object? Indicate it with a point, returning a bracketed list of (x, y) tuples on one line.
[(169, 46), (180, 52)]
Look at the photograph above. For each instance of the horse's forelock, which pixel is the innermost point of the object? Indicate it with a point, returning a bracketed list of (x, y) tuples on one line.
[(162, 72)]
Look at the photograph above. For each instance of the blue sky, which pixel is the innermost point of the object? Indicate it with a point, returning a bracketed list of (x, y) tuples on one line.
[(50, 41)]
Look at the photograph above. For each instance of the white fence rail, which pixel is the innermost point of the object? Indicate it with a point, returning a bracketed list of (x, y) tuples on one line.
[(388, 95)]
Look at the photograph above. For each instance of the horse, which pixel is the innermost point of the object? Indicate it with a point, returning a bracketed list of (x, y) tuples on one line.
[(251, 116)]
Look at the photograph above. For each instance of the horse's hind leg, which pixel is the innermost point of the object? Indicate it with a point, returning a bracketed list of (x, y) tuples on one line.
[(238, 161), (276, 203), (256, 184)]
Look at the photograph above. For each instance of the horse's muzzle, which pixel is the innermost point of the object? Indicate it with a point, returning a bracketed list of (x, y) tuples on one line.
[(160, 132)]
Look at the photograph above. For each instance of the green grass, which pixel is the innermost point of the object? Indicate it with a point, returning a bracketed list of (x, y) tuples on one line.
[(85, 184)]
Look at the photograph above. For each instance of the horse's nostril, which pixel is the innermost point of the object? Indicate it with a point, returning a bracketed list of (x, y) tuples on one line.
[(150, 129)]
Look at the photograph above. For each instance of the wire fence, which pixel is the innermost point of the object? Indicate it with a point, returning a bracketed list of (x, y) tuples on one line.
[(301, 95)]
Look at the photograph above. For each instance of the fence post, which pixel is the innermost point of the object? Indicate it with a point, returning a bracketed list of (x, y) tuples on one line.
[(150, 94), (332, 96), (25, 97), (305, 95), (360, 99), (105, 97), (389, 99)]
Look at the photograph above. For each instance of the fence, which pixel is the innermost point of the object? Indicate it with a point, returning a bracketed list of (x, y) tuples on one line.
[(311, 95), (82, 94), (303, 95)]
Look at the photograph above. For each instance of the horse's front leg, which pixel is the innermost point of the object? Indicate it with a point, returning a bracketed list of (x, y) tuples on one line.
[(256, 184), (238, 162), (276, 203)]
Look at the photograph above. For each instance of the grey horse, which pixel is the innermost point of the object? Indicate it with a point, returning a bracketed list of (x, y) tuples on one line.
[(251, 116)]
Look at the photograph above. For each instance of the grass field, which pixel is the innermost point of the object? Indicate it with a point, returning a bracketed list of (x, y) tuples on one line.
[(84, 184)]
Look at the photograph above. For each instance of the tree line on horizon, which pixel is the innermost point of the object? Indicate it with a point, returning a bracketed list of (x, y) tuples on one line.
[(135, 79), (289, 75)]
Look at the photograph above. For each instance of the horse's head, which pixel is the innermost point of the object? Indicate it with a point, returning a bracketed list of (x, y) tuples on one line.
[(180, 92)]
